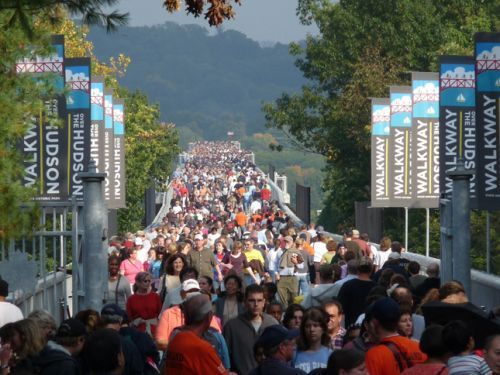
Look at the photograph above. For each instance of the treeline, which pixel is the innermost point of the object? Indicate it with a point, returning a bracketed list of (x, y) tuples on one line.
[(209, 84)]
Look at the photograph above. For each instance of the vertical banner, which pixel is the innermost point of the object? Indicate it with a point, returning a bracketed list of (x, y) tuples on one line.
[(77, 72), (44, 145), (400, 146), (108, 145), (425, 140), (97, 121), (487, 53), (380, 155), (118, 200), (457, 120)]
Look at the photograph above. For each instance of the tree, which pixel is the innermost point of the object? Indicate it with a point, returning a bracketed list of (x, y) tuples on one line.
[(363, 47), (216, 11), (20, 13)]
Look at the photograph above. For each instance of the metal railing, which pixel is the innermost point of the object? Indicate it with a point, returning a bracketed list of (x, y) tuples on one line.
[(43, 270)]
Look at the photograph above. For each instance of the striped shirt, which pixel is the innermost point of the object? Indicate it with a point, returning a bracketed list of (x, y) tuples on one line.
[(468, 365)]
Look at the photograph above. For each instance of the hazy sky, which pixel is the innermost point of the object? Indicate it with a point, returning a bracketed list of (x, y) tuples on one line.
[(261, 20)]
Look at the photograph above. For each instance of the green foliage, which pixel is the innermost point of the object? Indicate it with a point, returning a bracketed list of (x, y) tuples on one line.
[(150, 148), (21, 99), (19, 13), (363, 47)]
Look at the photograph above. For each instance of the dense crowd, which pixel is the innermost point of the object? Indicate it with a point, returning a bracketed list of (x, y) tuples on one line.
[(228, 284)]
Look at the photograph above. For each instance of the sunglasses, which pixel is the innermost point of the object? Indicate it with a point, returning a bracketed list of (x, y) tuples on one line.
[(146, 281)]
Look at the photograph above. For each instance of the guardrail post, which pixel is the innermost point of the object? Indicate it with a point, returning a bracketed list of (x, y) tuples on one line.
[(94, 256), (461, 224)]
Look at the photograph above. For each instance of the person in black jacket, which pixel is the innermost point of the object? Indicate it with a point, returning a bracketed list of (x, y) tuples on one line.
[(60, 356)]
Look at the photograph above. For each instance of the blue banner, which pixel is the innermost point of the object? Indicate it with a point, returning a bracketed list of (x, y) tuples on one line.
[(425, 140), (487, 56), (457, 120), (380, 154)]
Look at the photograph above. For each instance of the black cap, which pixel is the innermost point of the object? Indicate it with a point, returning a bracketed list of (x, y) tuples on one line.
[(275, 335), (113, 312), (71, 328), (384, 310)]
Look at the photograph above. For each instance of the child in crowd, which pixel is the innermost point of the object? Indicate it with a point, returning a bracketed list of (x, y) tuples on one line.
[(457, 337)]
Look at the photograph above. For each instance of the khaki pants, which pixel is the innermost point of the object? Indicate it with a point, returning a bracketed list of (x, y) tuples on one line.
[(288, 287)]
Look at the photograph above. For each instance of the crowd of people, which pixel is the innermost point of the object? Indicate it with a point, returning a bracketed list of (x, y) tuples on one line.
[(228, 284)]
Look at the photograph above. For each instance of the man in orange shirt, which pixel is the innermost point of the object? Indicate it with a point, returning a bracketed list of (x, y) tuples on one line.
[(241, 218), (393, 353), (188, 353)]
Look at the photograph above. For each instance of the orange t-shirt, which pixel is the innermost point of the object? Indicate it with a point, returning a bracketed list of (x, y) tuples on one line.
[(308, 248), (241, 219), (188, 354), (380, 360)]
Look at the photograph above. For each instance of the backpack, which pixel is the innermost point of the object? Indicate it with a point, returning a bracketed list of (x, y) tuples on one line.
[(401, 358)]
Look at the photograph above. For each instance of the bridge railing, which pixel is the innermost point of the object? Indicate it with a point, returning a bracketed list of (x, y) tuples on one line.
[(485, 287)]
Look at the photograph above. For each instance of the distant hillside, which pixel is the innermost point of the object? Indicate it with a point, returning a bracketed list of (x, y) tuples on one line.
[(210, 84)]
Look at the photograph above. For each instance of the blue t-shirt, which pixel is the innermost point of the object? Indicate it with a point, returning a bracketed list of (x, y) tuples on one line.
[(308, 361)]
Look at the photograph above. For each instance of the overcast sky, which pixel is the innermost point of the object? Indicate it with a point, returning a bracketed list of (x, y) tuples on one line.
[(261, 20)]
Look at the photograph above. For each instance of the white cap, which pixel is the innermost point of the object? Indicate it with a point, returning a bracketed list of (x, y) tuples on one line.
[(190, 285), (199, 236)]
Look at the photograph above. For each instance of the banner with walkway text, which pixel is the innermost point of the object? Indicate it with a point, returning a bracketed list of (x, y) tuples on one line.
[(487, 56), (400, 146), (425, 140), (44, 145), (381, 157), (457, 120), (77, 72)]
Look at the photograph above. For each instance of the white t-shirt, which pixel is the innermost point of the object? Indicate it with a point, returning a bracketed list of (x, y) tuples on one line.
[(319, 250), (381, 257), (9, 313)]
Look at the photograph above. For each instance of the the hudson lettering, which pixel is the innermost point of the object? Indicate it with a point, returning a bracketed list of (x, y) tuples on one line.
[(117, 167), (52, 159), (78, 125)]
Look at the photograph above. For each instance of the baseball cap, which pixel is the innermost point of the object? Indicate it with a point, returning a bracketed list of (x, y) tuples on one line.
[(189, 285), (384, 310), (394, 255), (71, 328), (355, 232), (199, 236), (275, 335), (312, 232), (113, 312)]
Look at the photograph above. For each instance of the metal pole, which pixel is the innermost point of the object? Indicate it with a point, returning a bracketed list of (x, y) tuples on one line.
[(461, 225), (406, 228), (446, 240), (427, 232), (94, 257), (488, 242)]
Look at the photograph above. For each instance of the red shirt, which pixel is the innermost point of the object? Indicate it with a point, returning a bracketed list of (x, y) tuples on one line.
[(146, 307)]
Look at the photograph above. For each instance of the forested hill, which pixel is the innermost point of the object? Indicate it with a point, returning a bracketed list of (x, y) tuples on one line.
[(210, 84)]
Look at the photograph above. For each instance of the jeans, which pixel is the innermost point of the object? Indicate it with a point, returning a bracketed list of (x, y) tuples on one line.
[(248, 280), (303, 283)]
